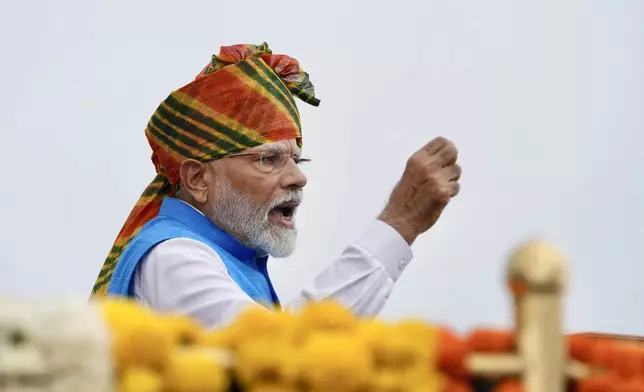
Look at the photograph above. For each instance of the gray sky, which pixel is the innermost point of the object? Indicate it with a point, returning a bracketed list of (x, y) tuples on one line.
[(545, 100)]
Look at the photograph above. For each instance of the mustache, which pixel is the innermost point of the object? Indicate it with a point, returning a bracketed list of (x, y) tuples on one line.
[(291, 196)]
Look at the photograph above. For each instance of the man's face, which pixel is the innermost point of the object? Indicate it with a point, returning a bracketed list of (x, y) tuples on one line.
[(256, 194)]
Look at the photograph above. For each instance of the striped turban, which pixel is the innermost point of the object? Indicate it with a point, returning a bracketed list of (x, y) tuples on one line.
[(242, 99)]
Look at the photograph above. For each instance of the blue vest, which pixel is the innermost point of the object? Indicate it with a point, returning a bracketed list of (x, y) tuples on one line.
[(177, 219)]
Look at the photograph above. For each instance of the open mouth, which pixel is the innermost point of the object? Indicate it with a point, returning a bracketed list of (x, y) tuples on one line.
[(284, 213)]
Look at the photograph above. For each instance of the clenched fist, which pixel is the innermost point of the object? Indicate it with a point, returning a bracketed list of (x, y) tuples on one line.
[(429, 182)]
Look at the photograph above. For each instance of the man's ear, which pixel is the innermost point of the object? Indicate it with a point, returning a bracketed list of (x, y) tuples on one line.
[(193, 180)]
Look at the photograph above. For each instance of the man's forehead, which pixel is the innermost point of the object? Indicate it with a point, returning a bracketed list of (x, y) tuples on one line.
[(282, 146)]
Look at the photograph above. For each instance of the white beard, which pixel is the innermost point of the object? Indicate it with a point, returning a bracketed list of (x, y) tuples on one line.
[(235, 212)]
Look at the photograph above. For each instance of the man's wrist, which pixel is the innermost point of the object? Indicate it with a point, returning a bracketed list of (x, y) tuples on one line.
[(387, 246), (406, 230)]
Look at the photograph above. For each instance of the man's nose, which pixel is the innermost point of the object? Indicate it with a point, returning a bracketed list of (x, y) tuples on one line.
[(293, 177)]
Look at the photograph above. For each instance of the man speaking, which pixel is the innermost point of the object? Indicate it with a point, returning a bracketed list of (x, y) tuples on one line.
[(226, 148)]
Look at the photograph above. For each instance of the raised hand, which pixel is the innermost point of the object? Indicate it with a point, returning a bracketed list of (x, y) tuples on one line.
[(429, 182)]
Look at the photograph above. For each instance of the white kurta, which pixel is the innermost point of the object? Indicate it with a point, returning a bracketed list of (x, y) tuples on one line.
[(185, 276)]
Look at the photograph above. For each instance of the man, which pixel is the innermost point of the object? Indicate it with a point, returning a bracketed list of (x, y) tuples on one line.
[(226, 148)]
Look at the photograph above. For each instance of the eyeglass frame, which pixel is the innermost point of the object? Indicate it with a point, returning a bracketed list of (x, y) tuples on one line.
[(296, 159)]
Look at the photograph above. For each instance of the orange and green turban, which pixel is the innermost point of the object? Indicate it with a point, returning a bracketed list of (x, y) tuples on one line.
[(242, 99)]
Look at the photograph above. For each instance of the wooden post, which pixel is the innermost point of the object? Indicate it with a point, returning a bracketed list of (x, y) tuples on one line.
[(537, 275)]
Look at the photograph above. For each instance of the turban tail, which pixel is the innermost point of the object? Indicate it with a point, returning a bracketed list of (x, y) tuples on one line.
[(242, 99)]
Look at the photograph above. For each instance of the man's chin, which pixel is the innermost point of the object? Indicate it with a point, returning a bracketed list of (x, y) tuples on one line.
[(281, 242), (281, 252)]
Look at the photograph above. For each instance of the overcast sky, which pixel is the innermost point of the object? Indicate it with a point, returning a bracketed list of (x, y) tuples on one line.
[(544, 99)]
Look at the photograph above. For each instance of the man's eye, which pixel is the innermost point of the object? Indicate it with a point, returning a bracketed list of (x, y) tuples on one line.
[(269, 160)]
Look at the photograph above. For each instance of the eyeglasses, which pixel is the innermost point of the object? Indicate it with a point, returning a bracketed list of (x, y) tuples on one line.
[(270, 161)]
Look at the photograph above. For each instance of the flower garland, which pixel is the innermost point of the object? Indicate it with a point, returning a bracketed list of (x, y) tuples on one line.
[(325, 348)]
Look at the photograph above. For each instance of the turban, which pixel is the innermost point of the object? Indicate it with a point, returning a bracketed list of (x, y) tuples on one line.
[(243, 98)]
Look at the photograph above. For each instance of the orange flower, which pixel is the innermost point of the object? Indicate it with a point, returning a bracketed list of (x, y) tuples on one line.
[(452, 353), (491, 341), (581, 348), (629, 361), (634, 385), (509, 385), (604, 355), (456, 386), (603, 383)]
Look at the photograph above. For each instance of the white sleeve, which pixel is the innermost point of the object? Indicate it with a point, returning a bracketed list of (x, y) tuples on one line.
[(186, 276), (363, 277)]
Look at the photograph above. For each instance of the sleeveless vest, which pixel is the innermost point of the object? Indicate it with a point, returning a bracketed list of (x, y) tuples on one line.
[(177, 219)]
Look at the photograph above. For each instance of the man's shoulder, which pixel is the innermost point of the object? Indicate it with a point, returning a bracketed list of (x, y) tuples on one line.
[(160, 230), (167, 228), (182, 247)]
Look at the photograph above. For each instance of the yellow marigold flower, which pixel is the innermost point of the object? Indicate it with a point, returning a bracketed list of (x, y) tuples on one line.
[(431, 382), (194, 370), (140, 380), (219, 338), (372, 332), (425, 335), (324, 316), (334, 361), (139, 338), (390, 382), (393, 382), (272, 388), (420, 330), (185, 330), (259, 322), (393, 348), (266, 363)]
